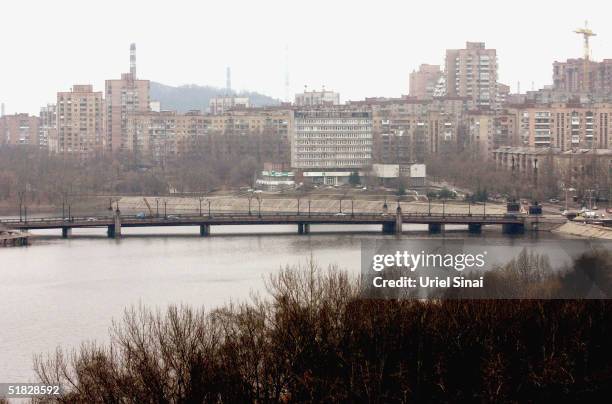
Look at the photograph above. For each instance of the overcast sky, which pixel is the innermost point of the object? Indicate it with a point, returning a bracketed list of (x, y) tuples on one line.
[(360, 49)]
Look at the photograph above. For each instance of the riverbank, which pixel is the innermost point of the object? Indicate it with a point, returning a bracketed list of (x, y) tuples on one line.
[(584, 230), (13, 238)]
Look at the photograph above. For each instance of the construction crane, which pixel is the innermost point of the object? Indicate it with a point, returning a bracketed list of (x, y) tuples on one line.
[(586, 33)]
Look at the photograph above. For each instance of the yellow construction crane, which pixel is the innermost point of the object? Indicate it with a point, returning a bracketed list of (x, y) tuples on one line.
[(586, 33)]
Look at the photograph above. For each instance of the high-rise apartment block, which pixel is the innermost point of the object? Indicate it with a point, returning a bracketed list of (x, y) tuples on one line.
[(124, 97), (472, 73), (423, 81), (47, 128), (314, 98), (570, 77), (18, 129), (565, 126), (80, 122)]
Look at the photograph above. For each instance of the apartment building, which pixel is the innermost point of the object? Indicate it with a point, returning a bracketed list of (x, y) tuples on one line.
[(329, 143), (314, 98), (47, 128), (220, 104), (472, 73), (570, 77), (19, 129), (125, 97), (423, 81), (80, 122), (565, 125)]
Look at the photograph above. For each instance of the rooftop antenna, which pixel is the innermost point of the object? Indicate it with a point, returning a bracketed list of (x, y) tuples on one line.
[(133, 60), (228, 81), (286, 73)]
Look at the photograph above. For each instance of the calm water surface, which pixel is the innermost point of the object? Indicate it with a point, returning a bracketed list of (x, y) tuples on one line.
[(62, 292)]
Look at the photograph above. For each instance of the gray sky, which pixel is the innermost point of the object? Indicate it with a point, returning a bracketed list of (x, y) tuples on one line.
[(359, 48)]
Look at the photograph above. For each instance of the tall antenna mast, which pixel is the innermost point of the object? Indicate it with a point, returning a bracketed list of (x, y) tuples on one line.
[(586, 33), (133, 61), (287, 73)]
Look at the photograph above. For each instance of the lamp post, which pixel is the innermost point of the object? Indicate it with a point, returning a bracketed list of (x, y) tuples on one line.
[(165, 211), (298, 205), (308, 207), (157, 207), (443, 207), (352, 208), (259, 203), (200, 199)]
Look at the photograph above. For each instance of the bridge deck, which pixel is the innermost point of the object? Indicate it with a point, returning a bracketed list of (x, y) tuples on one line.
[(265, 218)]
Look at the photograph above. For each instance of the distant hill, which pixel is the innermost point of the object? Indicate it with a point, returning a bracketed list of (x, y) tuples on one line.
[(191, 96)]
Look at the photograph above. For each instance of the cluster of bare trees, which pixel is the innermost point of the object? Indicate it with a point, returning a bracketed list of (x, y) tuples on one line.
[(316, 340), (217, 161)]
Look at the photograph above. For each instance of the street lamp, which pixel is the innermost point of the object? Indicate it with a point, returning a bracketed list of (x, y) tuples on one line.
[(308, 207), (201, 199), (352, 208), (157, 207), (259, 203), (165, 211)]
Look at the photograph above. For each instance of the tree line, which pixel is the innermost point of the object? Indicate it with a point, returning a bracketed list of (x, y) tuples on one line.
[(316, 340)]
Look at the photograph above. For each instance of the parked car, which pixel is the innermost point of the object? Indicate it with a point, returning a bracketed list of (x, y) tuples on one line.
[(553, 200), (173, 217), (140, 215)]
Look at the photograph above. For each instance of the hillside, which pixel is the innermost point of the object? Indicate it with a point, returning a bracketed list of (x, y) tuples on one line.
[(191, 96)]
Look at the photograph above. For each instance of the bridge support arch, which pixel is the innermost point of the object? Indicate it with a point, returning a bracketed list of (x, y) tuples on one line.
[(435, 227), (475, 228), (303, 228), (388, 228), (204, 230), (513, 228)]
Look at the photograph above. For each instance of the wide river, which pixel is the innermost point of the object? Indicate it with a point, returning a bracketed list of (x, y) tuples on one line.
[(60, 292)]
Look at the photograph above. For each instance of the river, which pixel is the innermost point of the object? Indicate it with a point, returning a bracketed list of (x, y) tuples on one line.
[(60, 292)]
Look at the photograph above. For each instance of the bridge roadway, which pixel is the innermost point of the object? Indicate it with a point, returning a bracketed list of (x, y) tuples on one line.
[(391, 223)]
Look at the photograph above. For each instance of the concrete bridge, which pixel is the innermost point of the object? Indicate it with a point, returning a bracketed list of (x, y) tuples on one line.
[(391, 223)]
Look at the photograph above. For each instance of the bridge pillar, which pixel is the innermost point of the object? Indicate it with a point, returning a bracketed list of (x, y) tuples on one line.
[(300, 228), (398, 220), (204, 230), (306, 228), (110, 232), (66, 232), (475, 228), (117, 232), (388, 228), (513, 228), (435, 227)]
